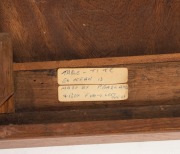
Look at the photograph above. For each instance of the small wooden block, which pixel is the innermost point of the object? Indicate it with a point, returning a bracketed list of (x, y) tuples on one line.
[(6, 75)]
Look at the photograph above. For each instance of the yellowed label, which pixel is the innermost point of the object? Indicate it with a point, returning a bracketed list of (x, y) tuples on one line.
[(92, 92), (75, 76)]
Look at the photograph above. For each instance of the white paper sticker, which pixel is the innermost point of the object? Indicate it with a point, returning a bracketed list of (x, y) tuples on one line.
[(92, 92), (75, 76)]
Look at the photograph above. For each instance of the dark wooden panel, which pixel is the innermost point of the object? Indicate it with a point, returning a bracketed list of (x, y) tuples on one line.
[(71, 29), (6, 75), (149, 83)]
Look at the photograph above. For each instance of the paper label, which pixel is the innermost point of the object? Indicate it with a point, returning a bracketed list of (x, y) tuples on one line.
[(75, 76), (92, 92)]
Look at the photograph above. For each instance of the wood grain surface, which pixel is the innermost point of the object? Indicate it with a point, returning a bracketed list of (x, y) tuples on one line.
[(151, 83), (6, 74), (56, 30), (89, 132), (91, 114), (96, 62), (91, 139), (45, 30), (150, 113), (8, 106)]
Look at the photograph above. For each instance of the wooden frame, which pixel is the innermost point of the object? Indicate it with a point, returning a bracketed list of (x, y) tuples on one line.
[(150, 113)]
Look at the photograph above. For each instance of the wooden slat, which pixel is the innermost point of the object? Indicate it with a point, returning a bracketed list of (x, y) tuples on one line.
[(97, 62), (95, 139), (98, 114), (149, 83), (89, 132), (6, 75)]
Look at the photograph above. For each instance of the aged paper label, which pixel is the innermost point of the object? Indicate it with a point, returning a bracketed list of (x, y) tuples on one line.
[(75, 76), (92, 92)]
